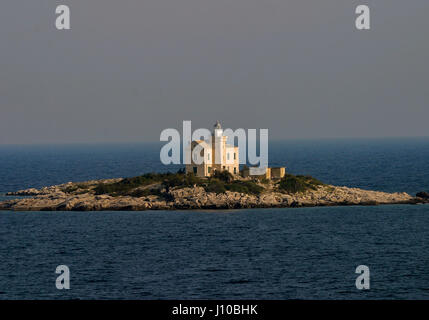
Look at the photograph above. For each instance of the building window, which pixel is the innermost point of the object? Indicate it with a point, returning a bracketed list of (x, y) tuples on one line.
[(235, 169), (208, 156), (235, 156), (195, 170), (209, 169), (227, 156)]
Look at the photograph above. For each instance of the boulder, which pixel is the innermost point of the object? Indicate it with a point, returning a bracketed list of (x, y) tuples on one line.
[(423, 194)]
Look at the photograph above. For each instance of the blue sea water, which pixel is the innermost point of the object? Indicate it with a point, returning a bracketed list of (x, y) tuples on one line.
[(296, 253)]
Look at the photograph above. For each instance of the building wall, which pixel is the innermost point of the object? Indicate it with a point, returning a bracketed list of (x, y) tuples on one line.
[(267, 174), (232, 162), (202, 169), (229, 163), (270, 173), (278, 173)]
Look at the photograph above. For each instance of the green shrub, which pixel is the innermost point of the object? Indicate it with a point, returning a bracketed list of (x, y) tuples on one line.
[(218, 186), (293, 184), (128, 184), (219, 183), (247, 187), (103, 188), (181, 180), (215, 185), (168, 180), (224, 176)]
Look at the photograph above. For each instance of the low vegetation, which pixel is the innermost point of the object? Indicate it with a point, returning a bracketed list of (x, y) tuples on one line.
[(78, 188), (224, 176), (128, 186), (159, 184), (219, 186), (143, 185), (248, 187), (293, 184)]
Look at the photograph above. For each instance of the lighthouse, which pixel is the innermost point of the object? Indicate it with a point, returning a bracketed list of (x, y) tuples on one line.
[(218, 155)]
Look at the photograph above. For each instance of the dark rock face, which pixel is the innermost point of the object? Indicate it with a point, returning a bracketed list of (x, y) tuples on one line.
[(423, 194)]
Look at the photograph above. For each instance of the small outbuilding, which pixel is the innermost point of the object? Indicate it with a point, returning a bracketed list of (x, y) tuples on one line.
[(268, 173)]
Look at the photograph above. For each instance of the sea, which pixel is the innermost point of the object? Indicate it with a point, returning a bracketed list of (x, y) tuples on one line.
[(290, 253)]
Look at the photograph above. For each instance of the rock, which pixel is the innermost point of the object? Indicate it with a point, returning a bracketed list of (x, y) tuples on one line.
[(26, 192), (423, 195), (65, 198)]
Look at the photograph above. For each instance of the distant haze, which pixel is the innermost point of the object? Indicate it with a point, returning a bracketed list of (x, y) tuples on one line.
[(129, 69)]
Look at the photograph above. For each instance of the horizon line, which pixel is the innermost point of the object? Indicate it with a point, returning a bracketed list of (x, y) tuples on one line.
[(65, 143)]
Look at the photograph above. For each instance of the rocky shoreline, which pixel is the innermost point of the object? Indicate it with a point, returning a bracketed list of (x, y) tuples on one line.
[(81, 197)]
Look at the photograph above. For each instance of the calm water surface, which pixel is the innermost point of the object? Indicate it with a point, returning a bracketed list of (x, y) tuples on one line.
[(305, 253)]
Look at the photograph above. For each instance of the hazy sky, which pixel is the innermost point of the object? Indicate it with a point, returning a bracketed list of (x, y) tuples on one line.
[(128, 69)]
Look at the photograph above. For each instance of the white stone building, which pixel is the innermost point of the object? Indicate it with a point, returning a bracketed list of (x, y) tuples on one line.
[(215, 155)]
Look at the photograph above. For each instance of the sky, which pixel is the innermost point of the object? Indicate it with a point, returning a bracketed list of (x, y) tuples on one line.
[(129, 69)]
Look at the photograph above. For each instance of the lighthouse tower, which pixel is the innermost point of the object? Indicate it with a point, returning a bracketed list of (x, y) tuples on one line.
[(218, 155), (218, 147), (217, 131)]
